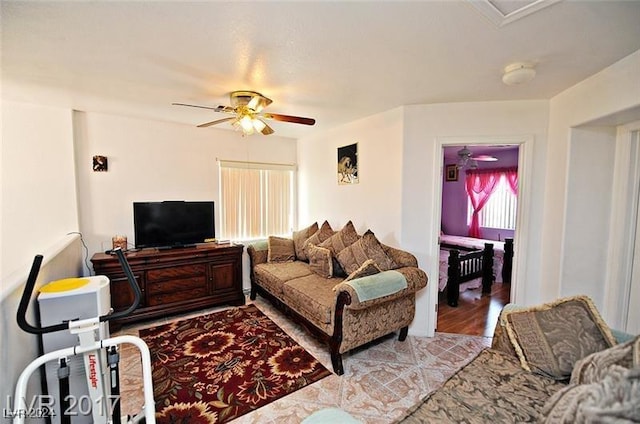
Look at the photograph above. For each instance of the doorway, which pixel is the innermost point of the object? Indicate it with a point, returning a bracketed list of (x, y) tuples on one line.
[(476, 313)]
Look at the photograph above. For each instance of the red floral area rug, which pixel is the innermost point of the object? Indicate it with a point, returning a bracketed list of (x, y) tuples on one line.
[(217, 367)]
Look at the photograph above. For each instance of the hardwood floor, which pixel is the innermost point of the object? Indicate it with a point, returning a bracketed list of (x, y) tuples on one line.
[(476, 314)]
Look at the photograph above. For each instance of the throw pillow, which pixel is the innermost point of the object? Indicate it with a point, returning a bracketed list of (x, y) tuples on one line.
[(368, 268), (281, 250), (615, 399), (367, 247), (319, 236), (595, 367), (320, 260), (342, 239), (300, 237), (549, 339)]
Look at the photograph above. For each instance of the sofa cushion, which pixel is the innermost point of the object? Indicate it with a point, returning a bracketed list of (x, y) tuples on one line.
[(319, 236), (549, 339), (595, 367), (614, 399), (342, 239), (492, 388), (320, 260), (312, 296), (281, 250), (369, 267), (300, 237), (271, 276), (367, 247)]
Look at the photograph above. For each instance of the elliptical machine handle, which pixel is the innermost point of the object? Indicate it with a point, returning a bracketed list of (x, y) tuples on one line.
[(26, 298), (31, 282), (137, 293)]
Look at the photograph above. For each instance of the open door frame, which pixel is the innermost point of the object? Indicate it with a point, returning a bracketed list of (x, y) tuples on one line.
[(521, 237)]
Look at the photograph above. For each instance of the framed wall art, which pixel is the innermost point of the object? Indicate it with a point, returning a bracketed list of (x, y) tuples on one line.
[(451, 173), (348, 164)]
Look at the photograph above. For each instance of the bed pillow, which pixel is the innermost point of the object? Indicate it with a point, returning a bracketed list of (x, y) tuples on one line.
[(366, 269), (367, 247), (320, 260), (550, 339), (280, 249), (300, 237)]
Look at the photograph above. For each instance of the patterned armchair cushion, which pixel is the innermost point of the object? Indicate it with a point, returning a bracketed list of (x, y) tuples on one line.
[(492, 388), (281, 250), (549, 339), (367, 247), (300, 237)]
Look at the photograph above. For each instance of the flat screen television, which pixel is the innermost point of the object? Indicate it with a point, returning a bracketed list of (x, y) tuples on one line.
[(172, 223)]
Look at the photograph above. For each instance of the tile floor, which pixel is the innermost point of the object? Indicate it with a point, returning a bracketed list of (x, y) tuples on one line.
[(380, 381)]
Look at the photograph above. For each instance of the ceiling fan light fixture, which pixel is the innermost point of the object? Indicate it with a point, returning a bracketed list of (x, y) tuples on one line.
[(518, 73), (246, 123)]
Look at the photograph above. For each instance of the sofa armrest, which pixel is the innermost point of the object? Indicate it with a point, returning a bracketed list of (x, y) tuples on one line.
[(258, 252), (416, 280), (401, 257)]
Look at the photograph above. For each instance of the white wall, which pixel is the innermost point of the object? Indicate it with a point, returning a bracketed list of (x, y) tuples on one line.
[(610, 94), (154, 161), (38, 184), (375, 202)]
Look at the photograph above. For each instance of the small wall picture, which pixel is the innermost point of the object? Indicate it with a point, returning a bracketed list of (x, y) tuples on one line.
[(451, 173), (348, 164), (100, 163)]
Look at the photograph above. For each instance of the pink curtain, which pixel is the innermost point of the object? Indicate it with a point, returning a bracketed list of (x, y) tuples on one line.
[(480, 186), (512, 179)]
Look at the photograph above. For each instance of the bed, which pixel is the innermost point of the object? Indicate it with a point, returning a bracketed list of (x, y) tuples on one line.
[(502, 258), (465, 270)]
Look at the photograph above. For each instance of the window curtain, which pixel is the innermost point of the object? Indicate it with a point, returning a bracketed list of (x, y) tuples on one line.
[(512, 179), (480, 185)]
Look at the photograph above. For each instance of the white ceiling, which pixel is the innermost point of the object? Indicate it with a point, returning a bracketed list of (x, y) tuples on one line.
[(333, 61)]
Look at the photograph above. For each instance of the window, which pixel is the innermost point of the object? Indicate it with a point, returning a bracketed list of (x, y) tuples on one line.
[(500, 209), (256, 200), (492, 199)]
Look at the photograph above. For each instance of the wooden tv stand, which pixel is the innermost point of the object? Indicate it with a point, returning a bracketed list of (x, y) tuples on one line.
[(174, 280)]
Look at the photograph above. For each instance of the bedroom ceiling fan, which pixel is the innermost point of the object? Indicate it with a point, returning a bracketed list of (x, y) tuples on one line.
[(248, 117), (466, 157)]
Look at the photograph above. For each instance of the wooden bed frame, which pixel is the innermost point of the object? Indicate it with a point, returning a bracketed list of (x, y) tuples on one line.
[(507, 264), (468, 266)]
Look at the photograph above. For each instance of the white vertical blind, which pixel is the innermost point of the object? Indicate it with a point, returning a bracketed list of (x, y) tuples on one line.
[(256, 199)]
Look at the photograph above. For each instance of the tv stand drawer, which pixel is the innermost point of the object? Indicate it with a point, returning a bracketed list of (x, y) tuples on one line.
[(175, 272), (175, 281)]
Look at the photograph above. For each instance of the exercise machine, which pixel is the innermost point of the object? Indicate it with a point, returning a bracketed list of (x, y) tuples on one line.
[(100, 359)]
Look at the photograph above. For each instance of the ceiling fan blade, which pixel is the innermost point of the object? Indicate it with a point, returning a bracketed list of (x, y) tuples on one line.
[(485, 158), (267, 130), (289, 118), (225, 109), (219, 121), (201, 107)]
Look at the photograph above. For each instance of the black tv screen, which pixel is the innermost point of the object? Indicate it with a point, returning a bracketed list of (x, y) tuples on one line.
[(172, 223)]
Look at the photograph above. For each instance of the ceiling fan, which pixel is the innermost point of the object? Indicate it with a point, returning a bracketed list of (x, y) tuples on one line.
[(466, 157), (246, 108)]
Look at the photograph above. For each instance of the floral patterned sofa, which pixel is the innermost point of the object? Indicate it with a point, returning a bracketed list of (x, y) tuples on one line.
[(346, 289), (554, 363)]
